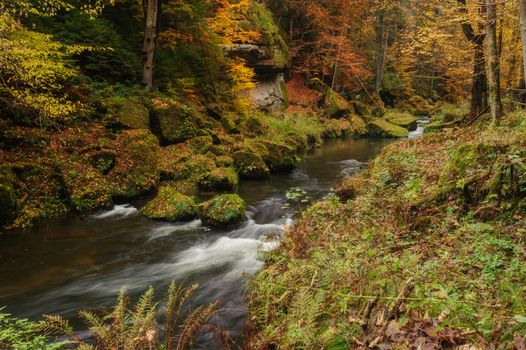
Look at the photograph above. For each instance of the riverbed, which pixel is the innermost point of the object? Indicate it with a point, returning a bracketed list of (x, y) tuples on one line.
[(73, 263)]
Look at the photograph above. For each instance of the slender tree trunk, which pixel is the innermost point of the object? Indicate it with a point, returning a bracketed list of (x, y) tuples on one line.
[(151, 8), (512, 63), (492, 62), (523, 34), (479, 85), (380, 52)]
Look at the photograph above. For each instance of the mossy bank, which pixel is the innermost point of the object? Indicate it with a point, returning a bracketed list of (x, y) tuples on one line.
[(425, 246)]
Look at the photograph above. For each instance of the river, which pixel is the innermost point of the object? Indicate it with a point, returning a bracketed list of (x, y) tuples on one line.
[(73, 263)]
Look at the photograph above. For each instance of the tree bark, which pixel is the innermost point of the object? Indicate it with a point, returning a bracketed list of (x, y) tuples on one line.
[(380, 52), (151, 10), (479, 82), (492, 62), (523, 34)]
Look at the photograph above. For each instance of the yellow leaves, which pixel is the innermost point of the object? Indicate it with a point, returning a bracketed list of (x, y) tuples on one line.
[(242, 77), (34, 69), (228, 20)]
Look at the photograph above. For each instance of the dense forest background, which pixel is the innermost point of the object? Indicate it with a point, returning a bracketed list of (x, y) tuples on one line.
[(64, 61)]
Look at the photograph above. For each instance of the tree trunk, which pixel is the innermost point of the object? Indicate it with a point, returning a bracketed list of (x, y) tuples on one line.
[(492, 62), (380, 52), (151, 10), (512, 63), (479, 86), (523, 34)]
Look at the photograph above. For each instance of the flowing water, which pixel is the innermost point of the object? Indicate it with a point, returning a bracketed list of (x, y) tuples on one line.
[(73, 263)]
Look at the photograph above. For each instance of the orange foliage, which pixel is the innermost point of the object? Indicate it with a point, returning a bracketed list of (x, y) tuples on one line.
[(323, 38), (300, 96)]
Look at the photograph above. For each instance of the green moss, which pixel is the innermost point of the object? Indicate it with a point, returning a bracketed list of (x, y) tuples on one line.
[(403, 119), (335, 105), (171, 161), (262, 21), (279, 157), (220, 179), (134, 115), (40, 192), (171, 205), (88, 189), (254, 126), (358, 126), (176, 121), (224, 161), (199, 165), (7, 196), (361, 109), (250, 165), (136, 169), (223, 211), (284, 93), (200, 144), (382, 128), (103, 161)]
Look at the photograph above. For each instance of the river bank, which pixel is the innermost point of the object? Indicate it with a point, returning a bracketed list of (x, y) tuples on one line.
[(73, 263), (424, 248)]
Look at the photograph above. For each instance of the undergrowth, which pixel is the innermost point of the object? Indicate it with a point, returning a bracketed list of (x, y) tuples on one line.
[(144, 325), (424, 249)]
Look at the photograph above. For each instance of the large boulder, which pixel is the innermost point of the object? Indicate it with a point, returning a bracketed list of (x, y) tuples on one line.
[(382, 128), (171, 205), (220, 179), (177, 122), (134, 115), (88, 189), (403, 119), (41, 192), (223, 211), (335, 106), (136, 169), (250, 165), (7, 196), (171, 161), (279, 157)]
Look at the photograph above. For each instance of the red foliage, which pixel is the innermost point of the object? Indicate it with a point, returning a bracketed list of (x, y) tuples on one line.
[(301, 98)]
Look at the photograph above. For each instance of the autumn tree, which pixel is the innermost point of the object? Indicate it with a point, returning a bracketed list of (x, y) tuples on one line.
[(322, 41), (151, 11)]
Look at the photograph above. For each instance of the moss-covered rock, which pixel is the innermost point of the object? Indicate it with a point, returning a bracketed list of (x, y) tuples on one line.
[(220, 179), (279, 157), (199, 165), (229, 124), (40, 192), (403, 119), (253, 127), (361, 109), (88, 189), (176, 122), (224, 162), (250, 165), (223, 211), (382, 128), (335, 106), (7, 196), (201, 144), (358, 126), (136, 169), (134, 115), (171, 161), (171, 205), (103, 160)]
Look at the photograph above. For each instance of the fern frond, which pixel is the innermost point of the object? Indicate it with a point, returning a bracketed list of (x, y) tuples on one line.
[(193, 323), (55, 325)]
